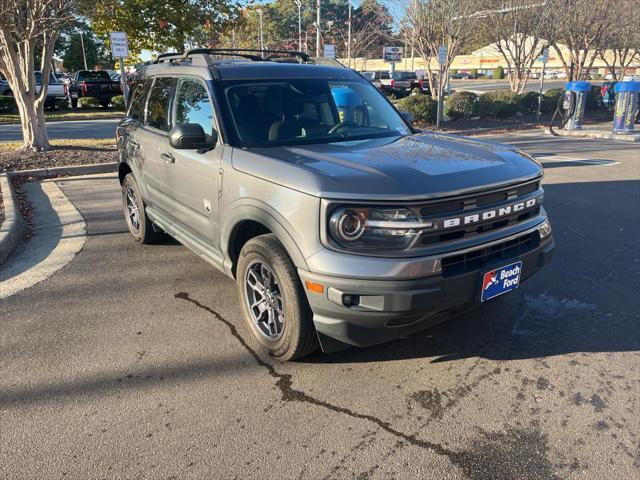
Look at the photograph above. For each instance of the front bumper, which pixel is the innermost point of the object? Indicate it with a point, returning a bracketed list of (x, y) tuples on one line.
[(389, 309)]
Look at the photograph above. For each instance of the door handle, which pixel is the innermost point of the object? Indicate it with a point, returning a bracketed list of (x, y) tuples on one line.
[(167, 157)]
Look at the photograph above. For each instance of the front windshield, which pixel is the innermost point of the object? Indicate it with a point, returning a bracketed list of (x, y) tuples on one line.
[(268, 113)]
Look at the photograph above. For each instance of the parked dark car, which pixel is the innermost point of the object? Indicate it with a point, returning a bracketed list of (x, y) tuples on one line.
[(97, 84)]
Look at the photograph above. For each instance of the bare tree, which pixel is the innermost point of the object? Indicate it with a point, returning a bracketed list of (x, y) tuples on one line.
[(580, 25), (431, 23), (516, 29), (27, 26), (621, 45)]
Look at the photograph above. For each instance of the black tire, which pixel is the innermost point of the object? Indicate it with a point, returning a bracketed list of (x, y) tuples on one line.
[(105, 103), (141, 230), (298, 337), (73, 102)]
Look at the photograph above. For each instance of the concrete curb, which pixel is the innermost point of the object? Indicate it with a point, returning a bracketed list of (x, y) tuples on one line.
[(600, 134), (12, 229), (70, 170)]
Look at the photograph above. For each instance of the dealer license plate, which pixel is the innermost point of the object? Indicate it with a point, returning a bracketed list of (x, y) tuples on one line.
[(501, 280)]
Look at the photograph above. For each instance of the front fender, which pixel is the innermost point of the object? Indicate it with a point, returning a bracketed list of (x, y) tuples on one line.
[(257, 211)]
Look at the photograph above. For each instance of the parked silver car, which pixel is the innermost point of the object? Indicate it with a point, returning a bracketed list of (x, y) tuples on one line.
[(340, 223)]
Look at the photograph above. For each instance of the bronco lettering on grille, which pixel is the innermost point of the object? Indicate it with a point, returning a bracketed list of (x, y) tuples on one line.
[(490, 214)]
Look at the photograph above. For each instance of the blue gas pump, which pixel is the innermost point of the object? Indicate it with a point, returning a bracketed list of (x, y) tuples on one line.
[(626, 109), (573, 104), (350, 106)]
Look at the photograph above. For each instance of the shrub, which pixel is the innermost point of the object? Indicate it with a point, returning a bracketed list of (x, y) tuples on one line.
[(473, 72), (462, 105), (528, 102), (453, 71), (118, 102), (422, 107), (498, 73), (8, 105), (550, 99), (498, 104), (88, 102)]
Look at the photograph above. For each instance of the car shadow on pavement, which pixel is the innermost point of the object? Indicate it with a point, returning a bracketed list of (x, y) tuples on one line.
[(586, 300)]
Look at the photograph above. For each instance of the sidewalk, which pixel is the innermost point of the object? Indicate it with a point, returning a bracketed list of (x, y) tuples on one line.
[(601, 130)]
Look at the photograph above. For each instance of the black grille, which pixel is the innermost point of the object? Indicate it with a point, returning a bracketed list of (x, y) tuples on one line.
[(481, 200), (470, 204), (488, 256)]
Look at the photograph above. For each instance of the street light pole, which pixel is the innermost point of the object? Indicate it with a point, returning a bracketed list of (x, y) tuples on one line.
[(259, 10), (349, 40), (317, 28), (84, 54), (299, 4)]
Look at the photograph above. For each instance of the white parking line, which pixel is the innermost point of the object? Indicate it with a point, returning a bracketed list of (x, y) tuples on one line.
[(596, 162)]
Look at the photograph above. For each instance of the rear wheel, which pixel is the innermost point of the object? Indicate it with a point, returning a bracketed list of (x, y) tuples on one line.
[(139, 225), (73, 102), (273, 302), (105, 103)]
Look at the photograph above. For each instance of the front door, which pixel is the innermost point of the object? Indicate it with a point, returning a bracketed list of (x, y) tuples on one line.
[(192, 178)]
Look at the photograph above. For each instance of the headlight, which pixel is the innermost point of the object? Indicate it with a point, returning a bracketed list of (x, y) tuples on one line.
[(376, 228)]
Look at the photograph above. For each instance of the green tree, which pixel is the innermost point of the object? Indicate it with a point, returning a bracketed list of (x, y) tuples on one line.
[(166, 25)]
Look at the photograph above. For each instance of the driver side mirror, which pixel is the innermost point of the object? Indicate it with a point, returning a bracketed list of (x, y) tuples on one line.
[(408, 116), (191, 136)]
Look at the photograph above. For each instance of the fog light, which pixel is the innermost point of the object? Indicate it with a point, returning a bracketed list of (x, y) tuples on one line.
[(350, 300), (545, 229)]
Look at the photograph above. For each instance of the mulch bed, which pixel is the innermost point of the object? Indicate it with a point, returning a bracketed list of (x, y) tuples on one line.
[(499, 125), (57, 156)]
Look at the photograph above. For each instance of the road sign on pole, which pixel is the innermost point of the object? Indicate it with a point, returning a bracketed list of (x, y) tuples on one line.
[(329, 50), (120, 49), (545, 59), (392, 54)]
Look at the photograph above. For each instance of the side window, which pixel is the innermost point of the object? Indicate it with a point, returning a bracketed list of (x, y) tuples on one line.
[(158, 104), (193, 105), (139, 92)]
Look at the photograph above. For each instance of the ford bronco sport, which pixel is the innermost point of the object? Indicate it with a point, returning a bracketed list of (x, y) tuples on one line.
[(339, 222)]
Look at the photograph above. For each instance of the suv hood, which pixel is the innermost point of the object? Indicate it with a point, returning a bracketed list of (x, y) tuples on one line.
[(420, 166)]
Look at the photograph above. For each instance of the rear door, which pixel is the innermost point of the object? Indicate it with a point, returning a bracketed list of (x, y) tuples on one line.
[(193, 177)]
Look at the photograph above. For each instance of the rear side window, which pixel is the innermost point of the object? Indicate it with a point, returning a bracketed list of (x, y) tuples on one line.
[(93, 76), (193, 105), (158, 104), (139, 91)]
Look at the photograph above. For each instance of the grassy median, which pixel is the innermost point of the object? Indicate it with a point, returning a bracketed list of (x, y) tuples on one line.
[(57, 115)]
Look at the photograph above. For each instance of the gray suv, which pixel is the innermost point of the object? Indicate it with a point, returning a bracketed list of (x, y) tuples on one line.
[(339, 222)]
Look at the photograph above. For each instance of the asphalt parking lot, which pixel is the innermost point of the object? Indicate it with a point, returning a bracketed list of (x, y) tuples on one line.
[(132, 361)]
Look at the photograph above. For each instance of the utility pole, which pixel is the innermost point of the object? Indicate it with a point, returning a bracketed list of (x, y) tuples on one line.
[(349, 38), (299, 4), (318, 28), (84, 54), (259, 10)]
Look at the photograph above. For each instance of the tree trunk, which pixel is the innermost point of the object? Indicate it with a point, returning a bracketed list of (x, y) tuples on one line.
[(34, 130)]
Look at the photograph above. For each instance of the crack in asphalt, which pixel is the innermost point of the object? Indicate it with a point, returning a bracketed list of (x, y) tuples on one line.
[(515, 453), (284, 383)]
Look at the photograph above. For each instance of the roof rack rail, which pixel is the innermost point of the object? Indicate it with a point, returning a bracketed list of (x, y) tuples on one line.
[(168, 56), (247, 53)]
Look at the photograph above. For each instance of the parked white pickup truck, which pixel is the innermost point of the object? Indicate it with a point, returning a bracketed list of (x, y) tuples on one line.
[(54, 92)]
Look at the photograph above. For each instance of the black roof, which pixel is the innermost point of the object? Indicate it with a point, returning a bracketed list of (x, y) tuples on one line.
[(264, 70)]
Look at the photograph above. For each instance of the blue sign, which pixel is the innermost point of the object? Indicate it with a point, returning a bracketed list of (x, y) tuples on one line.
[(501, 280)]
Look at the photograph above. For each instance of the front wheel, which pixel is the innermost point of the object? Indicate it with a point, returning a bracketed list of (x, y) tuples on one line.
[(140, 227), (73, 102), (273, 302)]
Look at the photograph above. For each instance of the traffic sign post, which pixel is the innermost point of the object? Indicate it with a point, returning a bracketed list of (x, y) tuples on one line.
[(120, 50), (329, 50), (442, 58), (545, 59), (392, 55)]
